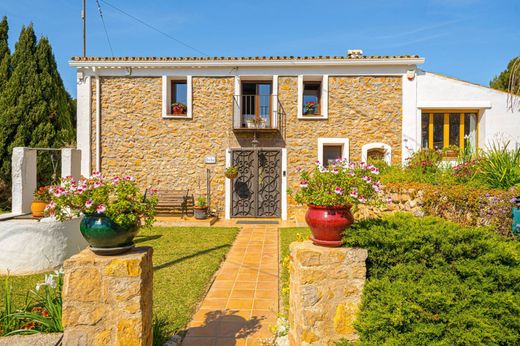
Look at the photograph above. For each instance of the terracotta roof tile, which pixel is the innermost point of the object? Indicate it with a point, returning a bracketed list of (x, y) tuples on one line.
[(96, 58)]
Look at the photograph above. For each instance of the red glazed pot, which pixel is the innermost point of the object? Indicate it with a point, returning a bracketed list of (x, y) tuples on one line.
[(328, 223)]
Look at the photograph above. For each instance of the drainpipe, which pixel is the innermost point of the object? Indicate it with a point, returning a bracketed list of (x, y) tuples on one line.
[(98, 125)]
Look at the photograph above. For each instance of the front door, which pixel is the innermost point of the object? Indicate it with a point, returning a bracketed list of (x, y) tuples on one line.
[(257, 189)]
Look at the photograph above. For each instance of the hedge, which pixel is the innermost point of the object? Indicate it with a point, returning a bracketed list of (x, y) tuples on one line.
[(432, 282)]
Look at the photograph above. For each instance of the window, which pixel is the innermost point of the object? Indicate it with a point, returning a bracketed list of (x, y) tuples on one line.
[(331, 153), (256, 104), (376, 152), (179, 97), (330, 149), (311, 98), (443, 129)]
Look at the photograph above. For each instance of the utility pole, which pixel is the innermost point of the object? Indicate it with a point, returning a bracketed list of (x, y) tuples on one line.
[(84, 18)]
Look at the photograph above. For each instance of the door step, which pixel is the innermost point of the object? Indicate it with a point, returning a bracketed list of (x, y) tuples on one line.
[(257, 222)]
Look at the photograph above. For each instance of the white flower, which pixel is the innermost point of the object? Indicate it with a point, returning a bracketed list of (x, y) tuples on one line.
[(362, 199), (338, 190), (304, 184), (354, 194), (89, 203)]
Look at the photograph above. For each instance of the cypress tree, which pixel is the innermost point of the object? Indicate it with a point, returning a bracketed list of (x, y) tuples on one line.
[(5, 54), (53, 114), (18, 100)]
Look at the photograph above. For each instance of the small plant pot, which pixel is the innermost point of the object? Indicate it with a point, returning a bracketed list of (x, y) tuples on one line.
[(231, 175), (38, 208), (327, 224), (200, 213)]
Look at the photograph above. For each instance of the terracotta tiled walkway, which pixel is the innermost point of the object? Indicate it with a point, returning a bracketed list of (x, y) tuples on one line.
[(243, 301)]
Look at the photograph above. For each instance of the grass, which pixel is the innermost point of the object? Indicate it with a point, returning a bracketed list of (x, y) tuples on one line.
[(287, 236), (185, 259)]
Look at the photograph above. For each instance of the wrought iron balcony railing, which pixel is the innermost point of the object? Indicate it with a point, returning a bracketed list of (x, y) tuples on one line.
[(258, 113)]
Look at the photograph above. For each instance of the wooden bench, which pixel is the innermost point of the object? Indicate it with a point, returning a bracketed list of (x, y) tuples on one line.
[(174, 203)]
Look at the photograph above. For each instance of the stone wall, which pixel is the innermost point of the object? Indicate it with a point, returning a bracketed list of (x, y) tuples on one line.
[(169, 153), (107, 300), (326, 285), (362, 109)]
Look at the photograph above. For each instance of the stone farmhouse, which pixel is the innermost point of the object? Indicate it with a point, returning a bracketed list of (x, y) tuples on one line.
[(171, 122)]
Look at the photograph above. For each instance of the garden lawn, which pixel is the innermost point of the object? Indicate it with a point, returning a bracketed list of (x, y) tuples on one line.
[(287, 236), (184, 259)]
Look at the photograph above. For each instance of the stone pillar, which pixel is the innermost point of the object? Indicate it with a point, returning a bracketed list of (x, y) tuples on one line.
[(23, 175), (325, 291), (71, 163), (107, 300)]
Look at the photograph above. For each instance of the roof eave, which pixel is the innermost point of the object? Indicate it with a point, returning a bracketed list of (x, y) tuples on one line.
[(249, 63)]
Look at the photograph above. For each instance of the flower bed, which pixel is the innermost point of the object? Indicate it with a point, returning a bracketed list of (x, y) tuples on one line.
[(467, 206)]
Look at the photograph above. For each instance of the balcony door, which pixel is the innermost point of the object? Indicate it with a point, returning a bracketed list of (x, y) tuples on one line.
[(256, 104)]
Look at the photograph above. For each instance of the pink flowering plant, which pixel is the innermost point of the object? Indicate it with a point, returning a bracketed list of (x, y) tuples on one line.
[(340, 183), (119, 198)]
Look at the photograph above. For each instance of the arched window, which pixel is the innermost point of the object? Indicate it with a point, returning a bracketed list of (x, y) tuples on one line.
[(376, 151)]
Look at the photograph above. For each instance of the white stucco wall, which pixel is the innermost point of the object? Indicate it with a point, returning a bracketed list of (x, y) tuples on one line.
[(497, 121), (30, 247)]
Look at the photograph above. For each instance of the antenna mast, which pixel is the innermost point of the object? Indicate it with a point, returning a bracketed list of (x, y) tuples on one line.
[(84, 18)]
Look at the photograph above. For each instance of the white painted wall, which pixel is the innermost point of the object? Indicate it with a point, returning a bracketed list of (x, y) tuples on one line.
[(83, 122), (30, 247), (497, 121), (23, 173)]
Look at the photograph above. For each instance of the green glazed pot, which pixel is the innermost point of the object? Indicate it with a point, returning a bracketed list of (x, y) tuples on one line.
[(102, 233)]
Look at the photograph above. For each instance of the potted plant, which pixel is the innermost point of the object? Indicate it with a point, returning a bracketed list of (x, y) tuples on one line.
[(41, 198), (251, 123), (311, 108), (231, 172), (112, 210), (331, 192), (178, 108), (451, 151), (200, 209)]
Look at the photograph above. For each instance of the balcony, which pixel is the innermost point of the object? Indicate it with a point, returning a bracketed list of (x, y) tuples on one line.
[(258, 113)]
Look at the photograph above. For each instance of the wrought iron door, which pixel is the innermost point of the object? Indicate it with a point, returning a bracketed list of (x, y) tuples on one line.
[(257, 189)]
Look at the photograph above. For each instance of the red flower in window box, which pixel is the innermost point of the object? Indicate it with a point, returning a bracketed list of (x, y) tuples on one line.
[(311, 107), (178, 108)]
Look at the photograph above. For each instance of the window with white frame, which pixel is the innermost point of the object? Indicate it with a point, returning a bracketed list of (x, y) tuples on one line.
[(177, 97), (313, 97), (331, 149)]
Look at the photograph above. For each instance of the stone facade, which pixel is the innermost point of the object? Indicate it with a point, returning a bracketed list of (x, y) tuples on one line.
[(107, 300), (169, 153), (325, 292)]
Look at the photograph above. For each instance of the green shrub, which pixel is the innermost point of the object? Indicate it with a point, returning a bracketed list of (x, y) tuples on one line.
[(500, 166), (431, 282)]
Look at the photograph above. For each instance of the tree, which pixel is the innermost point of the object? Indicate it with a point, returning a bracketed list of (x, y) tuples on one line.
[(509, 81), (36, 109), (5, 54), (501, 82)]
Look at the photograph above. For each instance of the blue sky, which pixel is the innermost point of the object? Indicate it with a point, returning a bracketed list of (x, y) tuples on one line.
[(468, 39)]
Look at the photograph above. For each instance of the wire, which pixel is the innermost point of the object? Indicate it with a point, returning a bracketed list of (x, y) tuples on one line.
[(104, 27), (153, 28)]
